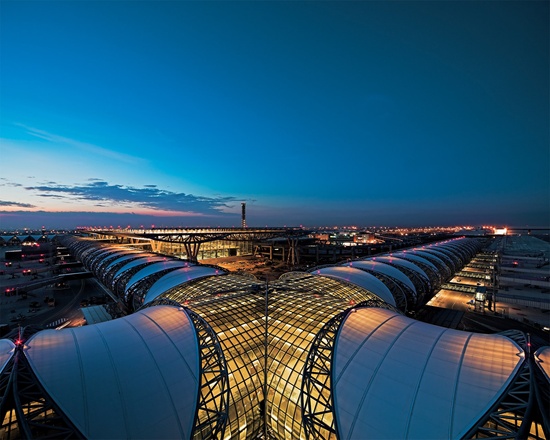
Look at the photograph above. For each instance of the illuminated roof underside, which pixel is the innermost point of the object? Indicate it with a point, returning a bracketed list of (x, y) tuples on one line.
[(359, 278), (394, 377), (6, 352), (543, 361), (134, 377)]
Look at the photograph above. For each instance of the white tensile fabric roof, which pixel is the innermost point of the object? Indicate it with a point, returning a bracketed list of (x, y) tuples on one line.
[(386, 269), (359, 278), (177, 277), (426, 255), (123, 256), (394, 377), (542, 358), (402, 263), (146, 258), (414, 257), (133, 377), (154, 268), (6, 352)]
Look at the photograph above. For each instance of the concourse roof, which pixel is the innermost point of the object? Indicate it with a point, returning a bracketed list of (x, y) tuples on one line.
[(6, 352), (359, 278), (386, 269), (177, 277), (394, 377), (133, 377), (402, 263), (542, 357), (156, 266)]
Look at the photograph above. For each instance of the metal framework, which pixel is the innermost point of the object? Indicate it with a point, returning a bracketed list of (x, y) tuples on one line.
[(26, 410), (444, 270), (485, 266), (420, 283), (192, 238), (473, 275), (203, 235), (402, 294), (398, 290), (136, 294), (507, 419), (542, 391), (316, 394), (213, 398), (433, 274)]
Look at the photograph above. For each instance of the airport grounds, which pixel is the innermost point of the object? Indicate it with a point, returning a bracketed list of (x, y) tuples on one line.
[(52, 305), (58, 305)]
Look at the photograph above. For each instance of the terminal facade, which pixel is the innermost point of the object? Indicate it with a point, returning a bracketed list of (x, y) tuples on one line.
[(334, 352)]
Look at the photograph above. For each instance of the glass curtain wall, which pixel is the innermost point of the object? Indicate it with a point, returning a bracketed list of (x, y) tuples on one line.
[(298, 307)]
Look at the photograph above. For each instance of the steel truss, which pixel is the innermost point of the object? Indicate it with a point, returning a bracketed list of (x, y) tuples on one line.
[(474, 275), (213, 398), (485, 266), (133, 298), (542, 391), (396, 288), (192, 238), (316, 395), (26, 410), (193, 235), (510, 417), (402, 294), (6, 399)]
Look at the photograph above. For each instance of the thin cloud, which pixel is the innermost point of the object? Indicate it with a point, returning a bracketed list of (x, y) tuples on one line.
[(83, 146), (5, 203), (52, 196), (150, 197), (6, 182)]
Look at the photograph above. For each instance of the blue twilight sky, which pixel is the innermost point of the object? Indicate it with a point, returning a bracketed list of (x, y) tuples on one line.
[(311, 112)]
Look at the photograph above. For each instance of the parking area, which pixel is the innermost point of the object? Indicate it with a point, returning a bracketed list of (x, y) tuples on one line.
[(31, 293)]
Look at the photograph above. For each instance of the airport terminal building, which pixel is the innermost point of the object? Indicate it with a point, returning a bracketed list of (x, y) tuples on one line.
[(333, 353)]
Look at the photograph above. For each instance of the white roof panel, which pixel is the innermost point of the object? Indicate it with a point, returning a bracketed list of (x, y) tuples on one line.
[(385, 269), (395, 377), (359, 278), (154, 268), (123, 256), (146, 258), (415, 257), (428, 255), (7, 348), (133, 377), (403, 263), (542, 359), (177, 277)]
